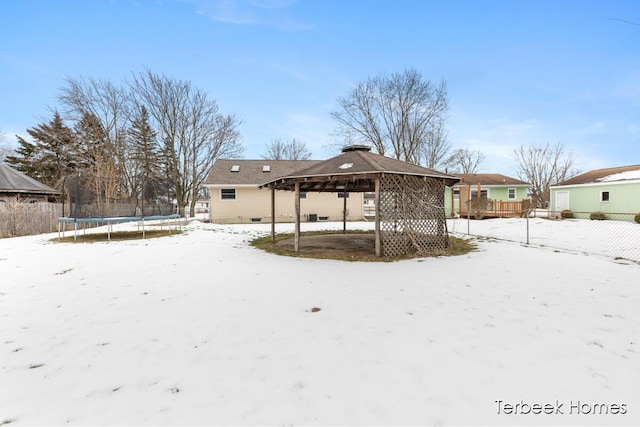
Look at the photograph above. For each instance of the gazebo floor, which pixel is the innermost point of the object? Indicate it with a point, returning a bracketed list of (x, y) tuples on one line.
[(335, 244)]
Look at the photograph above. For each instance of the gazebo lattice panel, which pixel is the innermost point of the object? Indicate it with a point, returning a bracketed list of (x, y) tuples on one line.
[(412, 215)]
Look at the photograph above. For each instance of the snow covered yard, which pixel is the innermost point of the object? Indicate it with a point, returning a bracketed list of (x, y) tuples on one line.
[(201, 328)]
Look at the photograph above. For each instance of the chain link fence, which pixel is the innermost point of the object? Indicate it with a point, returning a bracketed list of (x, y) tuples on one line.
[(615, 235)]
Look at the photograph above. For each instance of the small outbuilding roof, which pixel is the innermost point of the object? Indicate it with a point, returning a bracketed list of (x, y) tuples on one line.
[(15, 182), (354, 169), (487, 179), (617, 174)]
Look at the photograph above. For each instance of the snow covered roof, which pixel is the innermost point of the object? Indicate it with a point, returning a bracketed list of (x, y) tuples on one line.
[(617, 174)]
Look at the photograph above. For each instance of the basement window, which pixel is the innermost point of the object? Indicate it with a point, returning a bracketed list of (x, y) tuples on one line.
[(604, 196), (341, 195), (235, 168), (303, 194), (227, 194)]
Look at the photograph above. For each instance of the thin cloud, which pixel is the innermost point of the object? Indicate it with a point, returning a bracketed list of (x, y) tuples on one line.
[(265, 13)]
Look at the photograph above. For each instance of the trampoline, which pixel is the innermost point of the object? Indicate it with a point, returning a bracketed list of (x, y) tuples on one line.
[(170, 220)]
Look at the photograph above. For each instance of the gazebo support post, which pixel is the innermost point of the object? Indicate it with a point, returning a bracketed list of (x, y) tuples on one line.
[(376, 200), (296, 237), (273, 215), (344, 210)]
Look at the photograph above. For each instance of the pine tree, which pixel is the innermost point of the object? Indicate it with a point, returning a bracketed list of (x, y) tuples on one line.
[(144, 148), (51, 156), (97, 162)]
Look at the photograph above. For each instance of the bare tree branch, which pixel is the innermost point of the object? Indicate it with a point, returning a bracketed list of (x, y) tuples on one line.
[(401, 114), (465, 161), (193, 132), (294, 149), (543, 166)]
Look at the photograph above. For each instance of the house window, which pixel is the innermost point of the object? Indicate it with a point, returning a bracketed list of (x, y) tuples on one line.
[(303, 194), (456, 194), (604, 196), (511, 193), (227, 194), (484, 194), (342, 194)]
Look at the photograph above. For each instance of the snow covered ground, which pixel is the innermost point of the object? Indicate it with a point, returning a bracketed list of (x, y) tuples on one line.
[(201, 328), (610, 238)]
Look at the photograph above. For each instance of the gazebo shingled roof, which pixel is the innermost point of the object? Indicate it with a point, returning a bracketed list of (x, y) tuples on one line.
[(414, 219), (17, 183), (356, 167)]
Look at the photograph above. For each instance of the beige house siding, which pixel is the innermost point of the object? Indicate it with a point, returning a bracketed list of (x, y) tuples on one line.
[(252, 203)]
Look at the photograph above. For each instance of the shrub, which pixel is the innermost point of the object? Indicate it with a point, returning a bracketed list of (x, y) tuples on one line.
[(637, 218), (599, 216), (566, 213)]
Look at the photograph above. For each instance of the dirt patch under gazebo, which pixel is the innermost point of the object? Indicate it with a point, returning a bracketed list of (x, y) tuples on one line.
[(359, 244), (355, 245)]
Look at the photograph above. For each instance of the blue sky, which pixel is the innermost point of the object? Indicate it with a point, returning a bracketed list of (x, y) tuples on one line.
[(518, 72)]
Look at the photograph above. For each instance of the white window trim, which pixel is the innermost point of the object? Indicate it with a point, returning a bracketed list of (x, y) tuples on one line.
[(235, 195), (515, 193)]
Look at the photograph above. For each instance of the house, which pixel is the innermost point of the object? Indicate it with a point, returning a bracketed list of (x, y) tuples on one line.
[(202, 206), (15, 185), (236, 198), (505, 196), (610, 190)]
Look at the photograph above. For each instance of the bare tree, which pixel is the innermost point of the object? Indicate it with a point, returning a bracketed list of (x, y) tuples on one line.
[(110, 106), (295, 149), (434, 153), (400, 114), (465, 161), (5, 148), (193, 133), (542, 166)]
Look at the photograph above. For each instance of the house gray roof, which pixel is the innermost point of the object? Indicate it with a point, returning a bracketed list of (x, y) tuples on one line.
[(15, 182), (617, 174), (355, 167), (252, 172), (487, 179)]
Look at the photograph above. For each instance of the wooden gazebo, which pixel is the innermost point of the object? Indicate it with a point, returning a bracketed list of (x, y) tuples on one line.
[(409, 199)]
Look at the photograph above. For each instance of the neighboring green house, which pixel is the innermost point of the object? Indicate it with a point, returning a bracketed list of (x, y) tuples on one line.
[(506, 194), (611, 190)]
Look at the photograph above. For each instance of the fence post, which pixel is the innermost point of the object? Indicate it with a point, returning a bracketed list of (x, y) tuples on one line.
[(527, 212)]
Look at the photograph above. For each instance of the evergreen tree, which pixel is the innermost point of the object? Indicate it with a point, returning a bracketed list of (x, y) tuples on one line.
[(52, 154), (145, 153), (98, 163)]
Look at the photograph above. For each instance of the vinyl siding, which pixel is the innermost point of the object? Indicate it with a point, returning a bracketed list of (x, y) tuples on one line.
[(252, 202)]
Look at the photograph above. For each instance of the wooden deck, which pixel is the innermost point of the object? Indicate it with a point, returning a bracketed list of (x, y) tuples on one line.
[(497, 209)]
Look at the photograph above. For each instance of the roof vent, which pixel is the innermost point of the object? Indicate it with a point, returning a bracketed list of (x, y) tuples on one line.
[(356, 148), (266, 168), (235, 168)]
